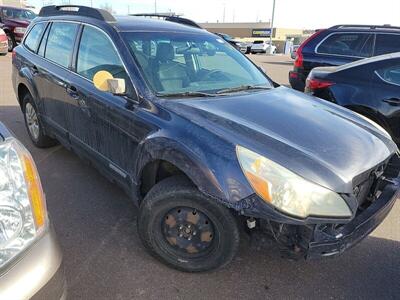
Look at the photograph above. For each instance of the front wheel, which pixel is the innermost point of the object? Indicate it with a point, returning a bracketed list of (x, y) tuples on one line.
[(185, 229)]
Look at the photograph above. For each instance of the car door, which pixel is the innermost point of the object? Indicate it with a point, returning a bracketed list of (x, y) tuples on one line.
[(102, 125), (53, 72), (387, 91)]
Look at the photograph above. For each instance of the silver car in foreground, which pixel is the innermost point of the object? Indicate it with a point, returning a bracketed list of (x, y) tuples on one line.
[(30, 257)]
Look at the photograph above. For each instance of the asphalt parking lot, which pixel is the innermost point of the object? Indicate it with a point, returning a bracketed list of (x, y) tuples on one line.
[(104, 259)]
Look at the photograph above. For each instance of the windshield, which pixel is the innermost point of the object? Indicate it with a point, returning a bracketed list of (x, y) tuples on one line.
[(20, 14), (174, 63)]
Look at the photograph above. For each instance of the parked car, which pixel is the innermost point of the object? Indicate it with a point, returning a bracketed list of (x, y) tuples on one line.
[(15, 21), (293, 51), (342, 44), (200, 139), (241, 46), (261, 46), (3, 42), (370, 87), (30, 256)]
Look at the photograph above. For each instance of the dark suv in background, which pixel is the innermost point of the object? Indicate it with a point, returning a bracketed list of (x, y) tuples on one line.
[(342, 44), (15, 21)]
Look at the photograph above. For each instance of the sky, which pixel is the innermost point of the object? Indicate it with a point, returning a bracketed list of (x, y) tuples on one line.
[(302, 14)]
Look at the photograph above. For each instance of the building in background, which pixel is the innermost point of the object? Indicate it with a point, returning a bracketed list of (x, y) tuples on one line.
[(249, 32)]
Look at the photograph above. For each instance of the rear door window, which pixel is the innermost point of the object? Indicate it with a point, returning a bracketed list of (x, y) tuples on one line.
[(387, 43), (60, 43), (347, 44), (390, 75), (33, 38)]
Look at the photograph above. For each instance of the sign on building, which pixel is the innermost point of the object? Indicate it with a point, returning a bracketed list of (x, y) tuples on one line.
[(263, 32)]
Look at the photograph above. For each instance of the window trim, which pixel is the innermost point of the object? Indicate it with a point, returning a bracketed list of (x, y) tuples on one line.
[(385, 80), (346, 32)]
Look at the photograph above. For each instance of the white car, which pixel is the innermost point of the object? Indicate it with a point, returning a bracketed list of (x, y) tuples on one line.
[(3, 42), (263, 47)]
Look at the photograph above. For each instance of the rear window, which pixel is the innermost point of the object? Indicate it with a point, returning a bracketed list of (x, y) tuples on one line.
[(347, 44), (60, 43), (390, 75), (387, 43), (33, 38)]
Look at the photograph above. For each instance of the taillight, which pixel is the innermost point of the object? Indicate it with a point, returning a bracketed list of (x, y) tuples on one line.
[(313, 84), (13, 54), (298, 63)]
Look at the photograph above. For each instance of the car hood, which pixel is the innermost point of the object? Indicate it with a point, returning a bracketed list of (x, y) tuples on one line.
[(320, 141), (16, 22)]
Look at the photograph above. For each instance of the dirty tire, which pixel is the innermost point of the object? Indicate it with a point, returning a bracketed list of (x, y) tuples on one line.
[(172, 194), (11, 42), (41, 140)]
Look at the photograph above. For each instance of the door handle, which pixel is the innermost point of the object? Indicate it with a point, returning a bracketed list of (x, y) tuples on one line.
[(34, 70), (392, 101), (73, 92)]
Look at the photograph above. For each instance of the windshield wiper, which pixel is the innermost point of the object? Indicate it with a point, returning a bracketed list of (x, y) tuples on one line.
[(243, 88), (186, 94)]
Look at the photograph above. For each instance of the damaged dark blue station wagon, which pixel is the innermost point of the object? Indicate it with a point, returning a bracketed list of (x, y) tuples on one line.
[(202, 140)]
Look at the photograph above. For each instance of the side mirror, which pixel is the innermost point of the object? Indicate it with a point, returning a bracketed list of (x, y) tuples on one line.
[(104, 81)]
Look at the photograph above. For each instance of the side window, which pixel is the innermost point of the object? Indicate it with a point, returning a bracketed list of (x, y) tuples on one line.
[(97, 53), (390, 75), (60, 43), (33, 39), (387, 43), (347, 44)]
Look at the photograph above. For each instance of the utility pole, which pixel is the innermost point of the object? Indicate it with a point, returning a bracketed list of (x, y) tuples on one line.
[(272, 26), (223, 15)]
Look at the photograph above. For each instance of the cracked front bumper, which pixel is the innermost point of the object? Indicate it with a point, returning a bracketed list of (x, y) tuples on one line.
[(326, 241)]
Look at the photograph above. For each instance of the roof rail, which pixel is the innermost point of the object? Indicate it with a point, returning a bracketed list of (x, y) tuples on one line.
[(171, 17), (76, 10), (385, 26)]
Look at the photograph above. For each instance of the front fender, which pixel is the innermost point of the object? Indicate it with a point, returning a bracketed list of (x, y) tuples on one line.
[(214, 176)]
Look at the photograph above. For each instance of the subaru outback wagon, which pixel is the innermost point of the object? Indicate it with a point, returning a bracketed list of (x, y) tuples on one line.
[(202, 140)]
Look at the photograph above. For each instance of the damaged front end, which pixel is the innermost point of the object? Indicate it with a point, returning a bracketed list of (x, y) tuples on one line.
[(319, 237)]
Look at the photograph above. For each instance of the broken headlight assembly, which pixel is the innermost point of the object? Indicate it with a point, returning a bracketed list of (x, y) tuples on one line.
[(23, 215), (288, 192)]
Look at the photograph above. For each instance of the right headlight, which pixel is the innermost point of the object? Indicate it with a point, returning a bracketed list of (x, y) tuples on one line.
[(287, 191), (23, 213)]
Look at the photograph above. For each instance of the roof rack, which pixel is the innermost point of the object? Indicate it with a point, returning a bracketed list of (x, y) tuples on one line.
[(385, 26), (171, 17), (76, 10)]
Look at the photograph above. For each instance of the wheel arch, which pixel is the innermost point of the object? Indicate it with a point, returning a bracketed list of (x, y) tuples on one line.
[(161, 157), (25, 85)]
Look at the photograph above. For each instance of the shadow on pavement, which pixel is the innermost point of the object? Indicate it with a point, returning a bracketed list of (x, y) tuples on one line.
[(96, 225)]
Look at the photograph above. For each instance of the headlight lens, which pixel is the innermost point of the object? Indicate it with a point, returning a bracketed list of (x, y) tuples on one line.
[(22, 206), (20, 30), (287, 191)]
